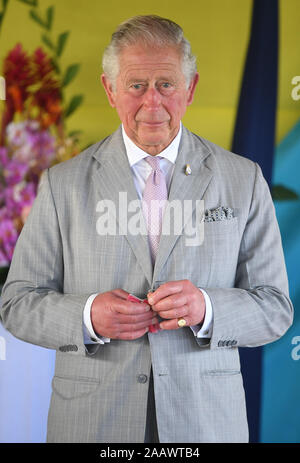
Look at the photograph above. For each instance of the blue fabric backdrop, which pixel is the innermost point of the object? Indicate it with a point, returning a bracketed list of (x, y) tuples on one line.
[(280, 405), (254, 137)]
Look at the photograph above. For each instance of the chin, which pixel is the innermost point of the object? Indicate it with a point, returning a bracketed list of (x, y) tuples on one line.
[(151, 142), (153, 139)]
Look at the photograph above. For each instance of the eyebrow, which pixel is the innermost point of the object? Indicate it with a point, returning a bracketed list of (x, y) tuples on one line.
[(131, 81), (140, 80)]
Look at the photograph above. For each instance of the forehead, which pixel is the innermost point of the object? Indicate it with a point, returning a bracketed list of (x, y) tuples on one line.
[(138, 59)]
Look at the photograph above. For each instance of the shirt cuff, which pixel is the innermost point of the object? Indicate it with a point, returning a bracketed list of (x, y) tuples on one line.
[(205, 331), (89, 335)]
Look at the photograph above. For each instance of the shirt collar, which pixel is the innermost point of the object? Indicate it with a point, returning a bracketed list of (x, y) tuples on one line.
[(135, 154)]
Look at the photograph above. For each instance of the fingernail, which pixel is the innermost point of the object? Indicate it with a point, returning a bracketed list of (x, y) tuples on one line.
[(150, 300)]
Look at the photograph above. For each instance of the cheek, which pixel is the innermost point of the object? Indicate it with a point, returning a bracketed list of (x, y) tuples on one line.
[(127, 108), (176, 108)]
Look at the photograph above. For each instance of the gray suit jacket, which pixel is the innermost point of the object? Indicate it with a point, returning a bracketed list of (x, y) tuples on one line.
[(60, 259)]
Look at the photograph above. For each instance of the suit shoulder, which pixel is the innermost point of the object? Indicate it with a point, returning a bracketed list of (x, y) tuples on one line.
[(225, 161), (223, 155), (77, 163)]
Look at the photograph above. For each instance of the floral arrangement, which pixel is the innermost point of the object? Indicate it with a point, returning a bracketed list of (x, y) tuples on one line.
[(29, 150), (32, 127)]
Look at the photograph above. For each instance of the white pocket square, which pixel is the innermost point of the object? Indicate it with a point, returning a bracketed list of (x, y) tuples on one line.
[(219, 213)]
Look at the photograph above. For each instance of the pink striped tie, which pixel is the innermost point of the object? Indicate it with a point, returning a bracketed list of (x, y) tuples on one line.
[(154, 200)]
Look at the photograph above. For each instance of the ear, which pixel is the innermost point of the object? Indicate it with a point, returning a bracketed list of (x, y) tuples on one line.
[(108, 90), (192, 88)]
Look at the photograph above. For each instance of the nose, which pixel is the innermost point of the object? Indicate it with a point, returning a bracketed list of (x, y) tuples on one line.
[(152, 99)]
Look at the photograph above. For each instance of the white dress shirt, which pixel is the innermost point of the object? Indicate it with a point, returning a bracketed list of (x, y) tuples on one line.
[(141, 171)]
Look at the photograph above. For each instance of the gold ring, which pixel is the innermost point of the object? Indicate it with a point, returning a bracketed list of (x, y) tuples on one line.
[(181, 322)]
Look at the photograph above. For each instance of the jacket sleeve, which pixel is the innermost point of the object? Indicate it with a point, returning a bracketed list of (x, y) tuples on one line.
[(34, 307), (258, 309)]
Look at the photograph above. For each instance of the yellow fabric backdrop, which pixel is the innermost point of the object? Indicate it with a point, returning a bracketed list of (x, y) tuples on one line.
[(217, 29)]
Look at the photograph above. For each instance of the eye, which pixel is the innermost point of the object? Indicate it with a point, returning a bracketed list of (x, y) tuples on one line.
[(137, 87), (166, 87)]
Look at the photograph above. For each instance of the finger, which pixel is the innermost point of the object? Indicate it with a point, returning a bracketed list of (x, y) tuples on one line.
[(136, 318), (131, 308), (170, 302), (178, 312), (172, 324), (166, 289), (126, 327), (120, 293), (131, 335)]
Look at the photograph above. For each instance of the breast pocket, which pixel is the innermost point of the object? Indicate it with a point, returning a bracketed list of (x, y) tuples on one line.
[(220, 227), (220, 250), (71, 388)]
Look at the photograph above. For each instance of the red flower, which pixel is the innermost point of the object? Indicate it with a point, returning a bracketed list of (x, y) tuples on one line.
[(32, 86), (42, 64), (18, 77)]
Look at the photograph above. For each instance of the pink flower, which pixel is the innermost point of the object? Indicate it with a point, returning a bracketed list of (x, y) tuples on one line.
[(15, 133), (8, 239), (4, 159), (15, 172), (3, 213), (31, 144), (27, 194), (4, 261), (18, 196)]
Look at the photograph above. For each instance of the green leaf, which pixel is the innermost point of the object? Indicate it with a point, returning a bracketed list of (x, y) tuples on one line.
[(61, 42), (3, 274), (37, 19), (75, 133), (29, 2), (73, 105), (49, 16), (4, 4), (47, 41), (55, 65), (282, 193), (46, 24), (70, 74)]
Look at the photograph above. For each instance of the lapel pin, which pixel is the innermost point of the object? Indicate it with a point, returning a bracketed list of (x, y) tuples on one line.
[(188, 170)]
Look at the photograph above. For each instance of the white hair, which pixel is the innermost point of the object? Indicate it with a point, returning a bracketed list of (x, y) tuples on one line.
[(148, 30)]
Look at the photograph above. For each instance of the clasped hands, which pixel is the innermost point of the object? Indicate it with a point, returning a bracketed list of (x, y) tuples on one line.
[(114, 317)]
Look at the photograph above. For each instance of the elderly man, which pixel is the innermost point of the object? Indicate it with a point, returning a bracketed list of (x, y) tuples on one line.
[(166, 368)]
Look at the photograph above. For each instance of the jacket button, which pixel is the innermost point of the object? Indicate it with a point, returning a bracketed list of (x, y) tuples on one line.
[(142, 378)]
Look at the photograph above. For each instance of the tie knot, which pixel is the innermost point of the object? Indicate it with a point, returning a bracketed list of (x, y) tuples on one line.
[(153, 161)]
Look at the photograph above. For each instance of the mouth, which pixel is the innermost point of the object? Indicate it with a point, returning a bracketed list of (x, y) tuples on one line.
[(152, 123)]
